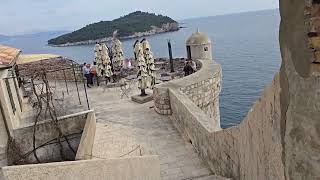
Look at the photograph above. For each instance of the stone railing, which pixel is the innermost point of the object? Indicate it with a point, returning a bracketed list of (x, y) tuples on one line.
[(133, 168), (201, 90), (205, 94), (251, 150), (84, 151), (76, 127)]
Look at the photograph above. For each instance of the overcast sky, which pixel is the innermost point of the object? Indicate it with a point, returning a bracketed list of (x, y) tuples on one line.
[(28, 16)]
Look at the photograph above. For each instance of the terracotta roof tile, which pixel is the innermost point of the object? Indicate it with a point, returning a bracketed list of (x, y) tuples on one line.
[(8, 54)]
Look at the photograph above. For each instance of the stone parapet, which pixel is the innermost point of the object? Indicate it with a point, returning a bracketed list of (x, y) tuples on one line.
[(205, 94), (202, 88), (162, 101), (72, 127), (133, 168), (251, 150)]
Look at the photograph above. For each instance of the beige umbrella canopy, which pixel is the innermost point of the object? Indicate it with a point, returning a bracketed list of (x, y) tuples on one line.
[(117, 53), (106, 62), (148, 56), (102, 59), (142, 66)]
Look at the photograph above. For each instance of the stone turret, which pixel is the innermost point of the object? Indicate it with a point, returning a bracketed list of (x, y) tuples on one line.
[(199, 46)]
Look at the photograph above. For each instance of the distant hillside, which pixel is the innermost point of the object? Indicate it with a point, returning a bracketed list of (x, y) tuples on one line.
[(132, 25)]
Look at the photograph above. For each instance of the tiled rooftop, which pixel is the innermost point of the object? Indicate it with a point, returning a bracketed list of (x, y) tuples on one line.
[(8, 54)]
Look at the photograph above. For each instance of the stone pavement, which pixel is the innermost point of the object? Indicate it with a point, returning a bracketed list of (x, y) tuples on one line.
[(125, 128)]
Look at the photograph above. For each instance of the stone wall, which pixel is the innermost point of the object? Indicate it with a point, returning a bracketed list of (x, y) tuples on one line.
[(133, 168), (279, 138), (12, 109), (312, 16), (87, 139), (162, 101), (300, 84), (202, 88), (72, 126), (251, 150), (205, 94), (197, 52), (10, 113)]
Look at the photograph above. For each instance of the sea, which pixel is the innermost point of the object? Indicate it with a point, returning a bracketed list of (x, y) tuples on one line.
[(245, 44)]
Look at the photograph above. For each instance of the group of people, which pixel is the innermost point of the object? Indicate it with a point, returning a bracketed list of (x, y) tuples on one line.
[(109, 62)]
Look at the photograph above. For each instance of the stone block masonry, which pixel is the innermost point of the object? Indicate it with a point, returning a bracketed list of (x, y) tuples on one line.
[(205, 94), (71, 125), (312, 25), (251, 150), (300, 84), (162, 101), (202, 88)]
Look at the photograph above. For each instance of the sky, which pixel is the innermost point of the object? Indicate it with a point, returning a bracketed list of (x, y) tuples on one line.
[(30, 16)]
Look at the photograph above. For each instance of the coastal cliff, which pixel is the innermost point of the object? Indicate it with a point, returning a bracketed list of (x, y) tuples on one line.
[(133, 25)]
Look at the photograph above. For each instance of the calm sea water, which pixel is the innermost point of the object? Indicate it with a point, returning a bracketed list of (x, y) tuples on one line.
[(246, 45)]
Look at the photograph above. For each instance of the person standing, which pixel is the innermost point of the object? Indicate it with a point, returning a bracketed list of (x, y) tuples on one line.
[(188, 68), (93, 73), (87, 74), (83, 68)]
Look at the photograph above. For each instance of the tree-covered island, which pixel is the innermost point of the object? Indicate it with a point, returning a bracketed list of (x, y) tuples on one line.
[(133, 25)]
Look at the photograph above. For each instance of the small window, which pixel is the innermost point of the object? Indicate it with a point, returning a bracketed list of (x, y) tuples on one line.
[(189, 52), (206, 48)]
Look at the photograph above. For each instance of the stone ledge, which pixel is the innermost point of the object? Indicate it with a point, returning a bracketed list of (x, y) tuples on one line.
[(142, 99)]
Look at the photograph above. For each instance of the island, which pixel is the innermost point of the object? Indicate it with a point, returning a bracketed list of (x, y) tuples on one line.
[(133, 25)]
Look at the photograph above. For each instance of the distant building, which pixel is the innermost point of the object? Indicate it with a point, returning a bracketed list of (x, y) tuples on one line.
[(199, 46)]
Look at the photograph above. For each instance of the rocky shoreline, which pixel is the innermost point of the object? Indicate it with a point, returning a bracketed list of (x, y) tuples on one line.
[(169, 27)]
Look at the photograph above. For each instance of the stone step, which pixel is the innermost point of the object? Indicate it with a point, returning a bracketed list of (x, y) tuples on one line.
[(211, 177)]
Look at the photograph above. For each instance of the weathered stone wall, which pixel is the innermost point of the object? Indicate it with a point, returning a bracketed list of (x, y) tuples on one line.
[(205, 94), (72, 126), (162, 101), (9, 116), (312, 23), (133, 168), (279, 138), (251, 150), (202, 88), (12, 113), (198, 52), (300, 84), (87, 139)]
